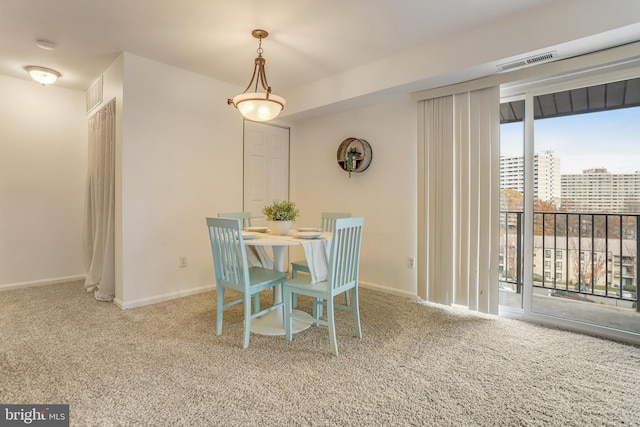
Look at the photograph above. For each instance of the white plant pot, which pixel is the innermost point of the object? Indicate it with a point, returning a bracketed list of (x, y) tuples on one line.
[(280, 227)]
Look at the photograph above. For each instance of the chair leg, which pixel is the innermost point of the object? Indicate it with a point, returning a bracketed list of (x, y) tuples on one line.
[(247, 321), (287, 314), (256, 303), (347, 299), (220, 303), (332, 327), (317, 309), (294, 274), (356, 312)]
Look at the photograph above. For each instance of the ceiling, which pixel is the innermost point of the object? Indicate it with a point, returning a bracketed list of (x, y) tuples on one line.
[(309, 41)]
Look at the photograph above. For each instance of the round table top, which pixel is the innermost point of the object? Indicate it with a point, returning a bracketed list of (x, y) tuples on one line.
[(268, 239)]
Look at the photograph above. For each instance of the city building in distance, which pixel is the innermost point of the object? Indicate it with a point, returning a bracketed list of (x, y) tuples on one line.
[(546, 176), (594, 190), (597, 190)]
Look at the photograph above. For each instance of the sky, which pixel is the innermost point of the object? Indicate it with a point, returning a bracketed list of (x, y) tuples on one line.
[(609, 139)]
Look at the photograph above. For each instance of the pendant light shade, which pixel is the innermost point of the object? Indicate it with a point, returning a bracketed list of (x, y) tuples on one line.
[(258, 106)]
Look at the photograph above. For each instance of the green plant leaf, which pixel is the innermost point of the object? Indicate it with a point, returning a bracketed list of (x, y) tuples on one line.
[(281, 211)]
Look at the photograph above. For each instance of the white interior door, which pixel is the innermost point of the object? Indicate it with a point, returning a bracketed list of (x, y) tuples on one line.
[(266, 167)]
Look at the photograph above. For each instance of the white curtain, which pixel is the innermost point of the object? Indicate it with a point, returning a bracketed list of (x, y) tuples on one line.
[(99, 205), (460, 187)]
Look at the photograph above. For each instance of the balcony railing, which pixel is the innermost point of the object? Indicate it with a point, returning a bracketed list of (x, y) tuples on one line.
[(576, 253)]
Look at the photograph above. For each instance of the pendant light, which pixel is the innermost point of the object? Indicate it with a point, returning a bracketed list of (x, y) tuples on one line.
[(258, 106)]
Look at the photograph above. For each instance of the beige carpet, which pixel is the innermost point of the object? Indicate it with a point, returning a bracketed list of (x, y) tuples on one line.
[(416, 365)]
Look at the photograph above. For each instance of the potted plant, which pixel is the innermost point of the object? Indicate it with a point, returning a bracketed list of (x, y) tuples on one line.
[(350, 159), (281, 215)]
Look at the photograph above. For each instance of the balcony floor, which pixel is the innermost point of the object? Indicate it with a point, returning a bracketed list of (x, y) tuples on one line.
[(620, 318)]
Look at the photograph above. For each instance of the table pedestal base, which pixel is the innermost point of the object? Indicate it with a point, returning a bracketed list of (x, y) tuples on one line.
[(271, 323)]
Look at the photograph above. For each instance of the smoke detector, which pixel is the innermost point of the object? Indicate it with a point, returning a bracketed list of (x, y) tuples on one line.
[(45, 44)]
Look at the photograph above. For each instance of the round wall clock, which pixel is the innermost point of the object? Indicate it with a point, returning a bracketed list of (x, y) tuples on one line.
[(354, 155)]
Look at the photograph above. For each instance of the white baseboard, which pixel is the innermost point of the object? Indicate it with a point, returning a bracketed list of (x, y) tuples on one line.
[(162, 298), (180, 294), (174, 295), (42, 282), (387, 289)]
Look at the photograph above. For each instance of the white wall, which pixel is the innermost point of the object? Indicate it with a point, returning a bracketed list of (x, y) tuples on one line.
[(385, 194), (43, 157), (181, 162)]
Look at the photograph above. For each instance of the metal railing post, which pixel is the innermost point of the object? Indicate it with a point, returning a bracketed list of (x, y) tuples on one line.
[(566, 257), (519, 252), (606, 258), (637, 265), (580, 258)]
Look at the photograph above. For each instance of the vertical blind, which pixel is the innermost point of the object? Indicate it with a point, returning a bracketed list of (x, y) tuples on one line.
[(459, 198)]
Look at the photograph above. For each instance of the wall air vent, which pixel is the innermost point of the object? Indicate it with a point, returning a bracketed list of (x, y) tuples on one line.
[(94, 95), (527, 62)]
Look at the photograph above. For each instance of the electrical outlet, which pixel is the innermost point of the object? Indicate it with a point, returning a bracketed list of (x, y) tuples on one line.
[(183, 261), (412, 262)]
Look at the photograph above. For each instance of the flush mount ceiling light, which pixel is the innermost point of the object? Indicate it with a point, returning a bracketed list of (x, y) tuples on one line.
[(258, 106), (42, 75)]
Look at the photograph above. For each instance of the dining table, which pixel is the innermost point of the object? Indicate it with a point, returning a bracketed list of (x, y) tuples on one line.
[(316, 247)]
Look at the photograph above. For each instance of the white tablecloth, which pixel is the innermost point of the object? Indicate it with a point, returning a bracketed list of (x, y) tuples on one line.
[(257, 256), (316, 252)]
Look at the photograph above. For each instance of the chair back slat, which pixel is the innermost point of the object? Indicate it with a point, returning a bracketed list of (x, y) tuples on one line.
[(329, 219), (229, 256), (344, 260), (244, 216)]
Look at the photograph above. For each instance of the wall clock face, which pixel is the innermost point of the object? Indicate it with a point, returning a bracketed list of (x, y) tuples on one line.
[(354, 155)]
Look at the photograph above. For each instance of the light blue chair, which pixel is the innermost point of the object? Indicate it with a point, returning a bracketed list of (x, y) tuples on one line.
[(344, 265), (244, 216), (233, 272), (328, 219)]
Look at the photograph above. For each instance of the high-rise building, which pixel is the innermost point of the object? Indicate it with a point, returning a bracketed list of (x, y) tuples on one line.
[(596, 190), (546, 176)]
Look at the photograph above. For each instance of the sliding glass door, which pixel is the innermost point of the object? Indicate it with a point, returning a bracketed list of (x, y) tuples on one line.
[(570, 187), (511, 202)]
